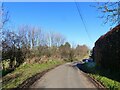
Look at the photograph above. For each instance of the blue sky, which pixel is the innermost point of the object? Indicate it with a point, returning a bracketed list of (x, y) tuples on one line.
[(60, 17)]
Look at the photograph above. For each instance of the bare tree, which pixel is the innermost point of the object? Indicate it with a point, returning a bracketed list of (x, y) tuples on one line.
[(111, 12), (3, 20), (42, 38), (4, 16), (36, 35), (59, 39), (11, 47), (55, 39), (50, 39)]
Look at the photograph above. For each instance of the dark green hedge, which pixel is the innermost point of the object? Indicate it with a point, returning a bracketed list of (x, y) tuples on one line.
[(107, 50)]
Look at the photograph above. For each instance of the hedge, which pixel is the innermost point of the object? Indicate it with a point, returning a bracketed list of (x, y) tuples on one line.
[(107, 50)]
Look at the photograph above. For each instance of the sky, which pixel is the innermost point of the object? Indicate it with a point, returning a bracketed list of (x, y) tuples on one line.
[(61, 17)]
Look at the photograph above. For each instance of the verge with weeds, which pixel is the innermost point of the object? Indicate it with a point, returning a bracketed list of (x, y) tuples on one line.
[(100, 75), (20, 74)]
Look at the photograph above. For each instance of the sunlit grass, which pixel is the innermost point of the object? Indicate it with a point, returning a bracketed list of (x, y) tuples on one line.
[(107, 82), (26, 71)]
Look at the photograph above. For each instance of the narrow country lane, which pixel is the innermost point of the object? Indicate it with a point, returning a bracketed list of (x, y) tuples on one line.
[(64, 76)]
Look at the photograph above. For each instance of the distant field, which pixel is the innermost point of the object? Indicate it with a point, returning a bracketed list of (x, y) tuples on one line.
[(12, 80)]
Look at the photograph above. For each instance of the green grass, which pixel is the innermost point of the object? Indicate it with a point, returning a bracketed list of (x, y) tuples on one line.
[(107, 82), (20, 74)]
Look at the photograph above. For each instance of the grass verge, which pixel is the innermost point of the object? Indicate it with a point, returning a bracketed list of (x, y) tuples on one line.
[(107, 82), (20, 74), (100, 76)]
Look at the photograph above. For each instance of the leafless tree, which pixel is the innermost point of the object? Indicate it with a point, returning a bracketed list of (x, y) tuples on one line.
[(3, 20), (4, 16), (11, 48), (55, 39), (59, 39), (111, 12)]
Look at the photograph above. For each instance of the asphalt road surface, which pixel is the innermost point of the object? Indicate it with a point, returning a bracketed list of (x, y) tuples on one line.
[(64, 76)]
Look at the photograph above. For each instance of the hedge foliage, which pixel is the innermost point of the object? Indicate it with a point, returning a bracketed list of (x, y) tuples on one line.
[(107, 50)]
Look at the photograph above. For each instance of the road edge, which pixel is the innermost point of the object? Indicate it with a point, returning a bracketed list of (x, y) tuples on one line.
[(28, 82), (94, 81)]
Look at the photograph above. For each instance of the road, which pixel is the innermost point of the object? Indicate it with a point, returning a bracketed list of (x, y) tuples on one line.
[(64, 76)]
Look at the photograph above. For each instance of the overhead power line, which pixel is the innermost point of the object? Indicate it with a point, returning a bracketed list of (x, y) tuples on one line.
[(83, 21)]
